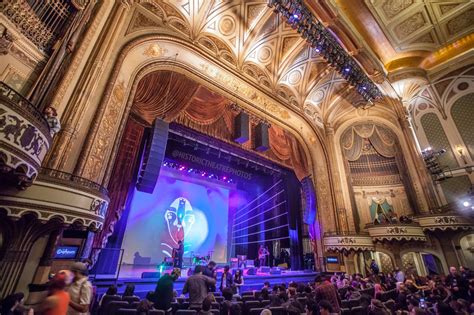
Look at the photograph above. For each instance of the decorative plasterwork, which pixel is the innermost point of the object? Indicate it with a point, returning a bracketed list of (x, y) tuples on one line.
[(396, 232), (445, 222), (423, 25), (437, 96), (24, 135), (51, 197), (251, 39), (347, 243)]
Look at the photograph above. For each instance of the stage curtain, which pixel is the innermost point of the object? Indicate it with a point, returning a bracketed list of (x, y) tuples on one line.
[(383, 141), (279, 143), (122, 176), (163, 94), (207, 107)]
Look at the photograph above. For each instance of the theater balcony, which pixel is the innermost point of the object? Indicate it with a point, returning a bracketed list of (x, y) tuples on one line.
[(449, 221), (389, 232), (347, 242), (57, 195), (24, 139)]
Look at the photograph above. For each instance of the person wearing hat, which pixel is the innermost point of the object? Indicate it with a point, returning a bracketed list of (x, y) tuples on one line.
[(80, 290)]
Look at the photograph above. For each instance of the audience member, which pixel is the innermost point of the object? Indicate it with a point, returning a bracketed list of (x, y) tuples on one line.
[(146, 304), (326, 291), (164, 291), (80, 290), (13, 304), (111, 291), (197, 286), (57, 302), (227, 280)]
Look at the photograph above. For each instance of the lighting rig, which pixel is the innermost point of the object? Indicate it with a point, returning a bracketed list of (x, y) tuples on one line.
[(325, 44), (432, 164)]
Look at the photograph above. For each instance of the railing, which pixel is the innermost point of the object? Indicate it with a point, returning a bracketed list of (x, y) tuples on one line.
[(41, 21), (345, 233), (7, 92), (70, 178)]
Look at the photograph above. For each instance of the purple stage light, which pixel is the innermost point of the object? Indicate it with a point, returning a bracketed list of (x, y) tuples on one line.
[(347, 69)]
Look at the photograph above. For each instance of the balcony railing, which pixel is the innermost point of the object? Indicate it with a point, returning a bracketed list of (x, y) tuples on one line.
[(24, 138), (396, 232), (41, 21), (56, 176)]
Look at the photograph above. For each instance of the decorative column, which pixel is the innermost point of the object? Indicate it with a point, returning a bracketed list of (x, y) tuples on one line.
[(72, 118), (44, 267), (428, 192), (342, 219)]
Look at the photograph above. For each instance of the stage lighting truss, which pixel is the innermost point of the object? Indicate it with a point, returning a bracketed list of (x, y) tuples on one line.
[(324, 43), (431, 160)]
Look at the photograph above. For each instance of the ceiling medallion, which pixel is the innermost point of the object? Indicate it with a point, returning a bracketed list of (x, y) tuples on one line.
[(299, 17)]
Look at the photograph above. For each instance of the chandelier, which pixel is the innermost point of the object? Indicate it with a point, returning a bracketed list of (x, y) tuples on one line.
[(324, 43)]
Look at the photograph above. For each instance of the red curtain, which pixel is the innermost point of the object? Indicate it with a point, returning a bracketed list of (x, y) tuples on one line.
[(122, 176)]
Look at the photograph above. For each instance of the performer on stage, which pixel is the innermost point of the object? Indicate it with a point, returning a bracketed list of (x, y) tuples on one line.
[(178, 255), (262, 255)]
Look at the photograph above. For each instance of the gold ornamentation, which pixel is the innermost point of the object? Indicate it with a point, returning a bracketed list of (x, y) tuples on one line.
[(410, 25), (108, 126), (154, 50), (393, 7)]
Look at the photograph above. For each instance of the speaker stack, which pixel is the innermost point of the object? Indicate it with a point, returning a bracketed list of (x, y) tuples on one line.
[(153, 157), (261, 140), (241, 128)]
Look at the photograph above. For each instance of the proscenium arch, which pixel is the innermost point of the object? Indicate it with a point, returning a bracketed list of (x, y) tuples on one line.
[(135, 61)]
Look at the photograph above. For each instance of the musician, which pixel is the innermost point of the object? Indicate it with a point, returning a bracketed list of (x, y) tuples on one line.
[(262, 254), (178, 255)]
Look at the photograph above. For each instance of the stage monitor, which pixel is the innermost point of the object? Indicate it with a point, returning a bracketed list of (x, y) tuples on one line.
[(332, 260), (66, 252)]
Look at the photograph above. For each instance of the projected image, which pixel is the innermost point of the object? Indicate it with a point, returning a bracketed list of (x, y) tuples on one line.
[(180, 208)]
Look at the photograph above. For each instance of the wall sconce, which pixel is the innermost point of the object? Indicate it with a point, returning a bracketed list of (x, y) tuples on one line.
[(460, 150)]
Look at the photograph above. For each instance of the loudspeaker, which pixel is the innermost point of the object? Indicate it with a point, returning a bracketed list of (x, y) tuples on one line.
[(252, 271), (261, 140), (153, 156), (147, 275), (241, 128), (275, 271), (265, 269)]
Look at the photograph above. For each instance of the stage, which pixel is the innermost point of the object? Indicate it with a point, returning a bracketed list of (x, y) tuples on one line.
[(251, 282)]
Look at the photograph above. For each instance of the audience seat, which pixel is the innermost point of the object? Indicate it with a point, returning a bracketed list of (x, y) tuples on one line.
[(215, 312), (130, 299), (106, 300), (390, 304), (249, 305), (302, 300), (216, 306), (156, 312), (358, 310), (185, 312), (345, 311), (265, 303), (346, 304), (247, 293), (278, 310), (246, 298), (219, 299), (255, 311), (354, 303), (113, 307), (134, 304), (126, 311)]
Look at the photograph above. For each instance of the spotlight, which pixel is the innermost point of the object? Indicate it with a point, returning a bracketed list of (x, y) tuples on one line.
[(466, 204), (347, 69)]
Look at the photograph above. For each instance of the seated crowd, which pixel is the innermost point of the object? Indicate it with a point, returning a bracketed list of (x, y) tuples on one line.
[(392, 293)]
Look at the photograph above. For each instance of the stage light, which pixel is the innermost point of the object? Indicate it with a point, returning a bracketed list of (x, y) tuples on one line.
[(224, 178), (347, 69), (466, 204)]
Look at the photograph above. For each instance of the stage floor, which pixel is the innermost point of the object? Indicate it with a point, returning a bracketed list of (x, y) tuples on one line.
[(251, 282)]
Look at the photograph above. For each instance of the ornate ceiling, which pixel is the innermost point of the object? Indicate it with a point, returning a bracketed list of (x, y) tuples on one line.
[(423, 25), (249, 37), (405, 33)]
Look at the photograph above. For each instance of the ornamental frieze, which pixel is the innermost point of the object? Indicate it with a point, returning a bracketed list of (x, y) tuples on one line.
[(450, 221)]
